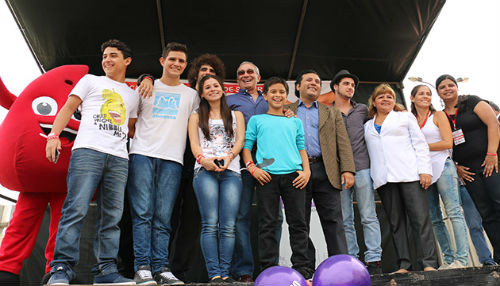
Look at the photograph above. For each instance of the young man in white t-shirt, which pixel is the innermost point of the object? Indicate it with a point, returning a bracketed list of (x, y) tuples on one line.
[(99, 160), (156, 159)]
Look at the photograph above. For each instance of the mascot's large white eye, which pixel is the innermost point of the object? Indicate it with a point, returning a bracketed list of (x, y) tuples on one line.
[(44, 105)]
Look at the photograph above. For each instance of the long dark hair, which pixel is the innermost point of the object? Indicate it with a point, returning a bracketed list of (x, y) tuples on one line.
[(413, 94), (204, 109)]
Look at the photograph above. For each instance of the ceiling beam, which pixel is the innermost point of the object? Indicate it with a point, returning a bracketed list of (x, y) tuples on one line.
[(160, 23), (297, 38)]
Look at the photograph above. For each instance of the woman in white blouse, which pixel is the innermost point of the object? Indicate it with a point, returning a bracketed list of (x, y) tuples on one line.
[(401, 171)]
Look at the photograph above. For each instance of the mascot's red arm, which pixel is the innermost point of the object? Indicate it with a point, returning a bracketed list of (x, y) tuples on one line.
[(6, 98)]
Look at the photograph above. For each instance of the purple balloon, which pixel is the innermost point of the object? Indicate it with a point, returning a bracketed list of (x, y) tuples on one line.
[(341, 270), (280, 276)]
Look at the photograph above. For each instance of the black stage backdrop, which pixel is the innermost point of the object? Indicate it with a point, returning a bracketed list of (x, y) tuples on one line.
[(377, 40)]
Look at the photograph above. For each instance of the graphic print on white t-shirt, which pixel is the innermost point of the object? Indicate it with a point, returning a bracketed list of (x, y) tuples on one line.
[(166, 105), (219, 138), (113, 113)]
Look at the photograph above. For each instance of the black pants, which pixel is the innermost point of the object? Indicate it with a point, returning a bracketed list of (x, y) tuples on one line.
[(485, 192), (327, 201), (268, 204), (402, 200)]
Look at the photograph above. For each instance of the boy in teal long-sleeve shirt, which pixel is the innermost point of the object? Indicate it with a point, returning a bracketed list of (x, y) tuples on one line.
[(282, 170)]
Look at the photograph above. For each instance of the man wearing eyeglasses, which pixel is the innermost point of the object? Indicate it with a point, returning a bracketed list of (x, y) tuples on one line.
[(250, 102)]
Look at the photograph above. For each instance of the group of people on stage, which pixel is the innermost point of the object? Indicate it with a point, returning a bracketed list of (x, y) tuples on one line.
[(258, 142)]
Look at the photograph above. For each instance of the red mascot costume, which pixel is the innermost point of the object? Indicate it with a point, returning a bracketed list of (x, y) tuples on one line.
[(24, 168)]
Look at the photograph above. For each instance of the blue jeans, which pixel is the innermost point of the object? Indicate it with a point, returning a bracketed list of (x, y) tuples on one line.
[(446, 187), (243, 257), (475, 225), (90, 170), (218, 197), (153, 185), (365, 197)]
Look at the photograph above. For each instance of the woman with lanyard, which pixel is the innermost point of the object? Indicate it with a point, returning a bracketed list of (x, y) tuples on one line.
[(475, 146), (437, 132), (401, 171)]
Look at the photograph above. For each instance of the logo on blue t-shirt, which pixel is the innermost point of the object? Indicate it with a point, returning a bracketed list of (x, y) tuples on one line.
[(166, 105)]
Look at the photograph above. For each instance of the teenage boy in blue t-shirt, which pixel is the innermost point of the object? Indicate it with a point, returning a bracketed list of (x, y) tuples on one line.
[(282, 170)]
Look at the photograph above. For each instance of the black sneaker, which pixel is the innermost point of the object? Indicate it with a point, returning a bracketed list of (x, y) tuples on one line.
[(374, 267), (228, 280), (59, 277), (114, 278), (245, 279), (306, 272), (166, 277), (217, 280), (490, 263)]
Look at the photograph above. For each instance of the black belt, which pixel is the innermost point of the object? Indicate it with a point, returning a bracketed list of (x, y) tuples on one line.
[(315, 159)]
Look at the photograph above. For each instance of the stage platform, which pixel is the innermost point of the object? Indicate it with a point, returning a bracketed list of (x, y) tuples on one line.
[(488, 275), (484, 276)]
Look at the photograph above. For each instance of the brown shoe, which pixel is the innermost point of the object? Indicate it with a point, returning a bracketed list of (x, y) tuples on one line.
[(245, 279)]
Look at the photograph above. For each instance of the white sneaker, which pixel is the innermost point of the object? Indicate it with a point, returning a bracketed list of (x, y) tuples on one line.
[(456, 265), (444, 266), (143, 276)]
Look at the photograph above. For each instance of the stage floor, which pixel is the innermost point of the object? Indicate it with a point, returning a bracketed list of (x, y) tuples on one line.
[(484, 276), (488, 275)]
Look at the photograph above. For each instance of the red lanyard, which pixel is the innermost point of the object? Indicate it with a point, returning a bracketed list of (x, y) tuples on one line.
[(453, 120), (425, 121)]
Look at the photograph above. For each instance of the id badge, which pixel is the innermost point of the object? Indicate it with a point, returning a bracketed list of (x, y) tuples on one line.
[(458, 137)]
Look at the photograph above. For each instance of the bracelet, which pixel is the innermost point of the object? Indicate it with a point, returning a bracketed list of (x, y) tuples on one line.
[(488, 154), (148, 77), (52, 135), (143, 76), (199, 157), (254, 169), (249, 163)]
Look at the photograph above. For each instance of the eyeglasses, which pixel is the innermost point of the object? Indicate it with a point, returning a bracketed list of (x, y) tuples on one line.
[(248, 71)]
